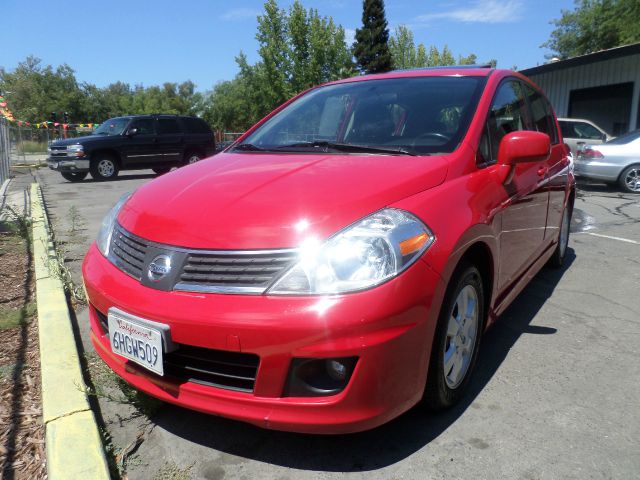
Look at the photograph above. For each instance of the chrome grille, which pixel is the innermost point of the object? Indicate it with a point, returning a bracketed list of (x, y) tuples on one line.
[(251, 270), (57, 151), (128, 252), (215, 271)]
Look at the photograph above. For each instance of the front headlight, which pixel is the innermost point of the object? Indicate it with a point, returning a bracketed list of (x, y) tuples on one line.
[(364, 255), (75, 150), (106, 228)]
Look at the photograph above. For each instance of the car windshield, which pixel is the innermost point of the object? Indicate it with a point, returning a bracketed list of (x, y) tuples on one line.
[(627, 138), (113, 126), (412, 115)]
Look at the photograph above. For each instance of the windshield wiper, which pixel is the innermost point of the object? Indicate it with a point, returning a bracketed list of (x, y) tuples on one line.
[(346, 147), (248, 147)]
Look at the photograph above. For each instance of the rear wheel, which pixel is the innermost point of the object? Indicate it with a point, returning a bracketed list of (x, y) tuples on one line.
[(104, 167), (557, 259), (161, 170), (457, 338), (192, 157), (630, 179), (74, 176)]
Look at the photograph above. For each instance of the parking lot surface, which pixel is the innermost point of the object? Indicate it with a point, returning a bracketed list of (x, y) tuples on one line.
[(555, 393)]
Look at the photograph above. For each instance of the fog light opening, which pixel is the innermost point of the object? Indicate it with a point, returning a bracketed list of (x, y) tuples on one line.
[(317, 377)]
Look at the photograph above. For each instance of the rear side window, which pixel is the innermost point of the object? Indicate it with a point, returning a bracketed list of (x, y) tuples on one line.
[(168, 126), (508, 114), (541, 117), (195, 125), (587, 131)]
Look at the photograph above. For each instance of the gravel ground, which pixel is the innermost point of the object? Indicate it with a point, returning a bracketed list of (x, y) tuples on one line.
[(555, 393)]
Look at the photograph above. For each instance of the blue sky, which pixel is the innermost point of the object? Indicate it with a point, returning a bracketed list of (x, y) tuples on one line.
[(150, 42)]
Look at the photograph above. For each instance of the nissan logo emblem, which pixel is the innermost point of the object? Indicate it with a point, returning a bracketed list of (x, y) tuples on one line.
[(159, 268)]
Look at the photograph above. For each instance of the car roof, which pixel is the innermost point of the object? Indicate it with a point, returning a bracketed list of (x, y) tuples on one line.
[(458, 70)]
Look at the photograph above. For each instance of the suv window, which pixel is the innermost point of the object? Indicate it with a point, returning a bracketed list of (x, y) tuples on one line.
[(196, 125), (541, 117), (507, 114), (144, 126), (584, 130), (168, 126)]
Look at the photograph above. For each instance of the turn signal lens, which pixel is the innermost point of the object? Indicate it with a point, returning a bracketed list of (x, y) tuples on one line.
[(413, 244)]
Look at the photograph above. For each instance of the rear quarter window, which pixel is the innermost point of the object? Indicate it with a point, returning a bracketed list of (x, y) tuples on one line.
[(195, 125)]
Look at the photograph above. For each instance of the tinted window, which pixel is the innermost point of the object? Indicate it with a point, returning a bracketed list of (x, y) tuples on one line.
[(419, 114), (507, 114), (196, 125), (168, 125), (541, 118), (144, 126)]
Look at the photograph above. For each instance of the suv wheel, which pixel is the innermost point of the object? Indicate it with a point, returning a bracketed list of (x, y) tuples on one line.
[(191, 157), (457, 338), (74, 176), (630, 179), (104, 167)]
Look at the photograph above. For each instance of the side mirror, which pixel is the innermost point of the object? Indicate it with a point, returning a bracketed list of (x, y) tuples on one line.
[(524, 146), (132, 131)]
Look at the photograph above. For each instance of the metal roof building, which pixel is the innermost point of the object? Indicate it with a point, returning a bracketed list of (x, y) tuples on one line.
[(603, 87)]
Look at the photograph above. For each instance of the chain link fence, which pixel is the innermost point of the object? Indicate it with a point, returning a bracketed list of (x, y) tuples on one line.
[(29, 144), (5, 147)]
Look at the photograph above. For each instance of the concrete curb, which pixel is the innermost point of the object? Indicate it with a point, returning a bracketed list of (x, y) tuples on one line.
[(73, 444)]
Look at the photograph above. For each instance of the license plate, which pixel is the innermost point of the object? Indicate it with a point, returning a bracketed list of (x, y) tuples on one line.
[(55, 164), (139, 343)]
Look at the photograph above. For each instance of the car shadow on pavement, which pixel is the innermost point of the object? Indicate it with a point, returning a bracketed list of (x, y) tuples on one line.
[(384, 445), (119, 178)]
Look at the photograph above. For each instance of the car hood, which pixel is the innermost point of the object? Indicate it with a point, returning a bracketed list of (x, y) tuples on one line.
[(259, 201), (78, 140)]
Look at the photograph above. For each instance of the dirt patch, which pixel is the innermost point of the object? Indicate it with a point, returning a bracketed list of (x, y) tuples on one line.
[(22, 453)]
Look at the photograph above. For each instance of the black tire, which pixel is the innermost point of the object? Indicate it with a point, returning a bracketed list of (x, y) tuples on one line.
[(191, 157), (161, 170), (629, 180), (439, 393), (74, 176), (104, 167), (559, 254)]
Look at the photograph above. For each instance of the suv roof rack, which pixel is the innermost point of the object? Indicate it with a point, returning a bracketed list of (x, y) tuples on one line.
[(447, 67)]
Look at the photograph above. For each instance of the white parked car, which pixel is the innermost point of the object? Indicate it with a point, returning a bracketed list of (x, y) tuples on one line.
[(579, 133), (617, 161)]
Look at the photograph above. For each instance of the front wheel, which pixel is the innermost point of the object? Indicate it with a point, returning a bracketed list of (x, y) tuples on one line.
[(104, 168), (457, 339), (74, 176), (630, 179)]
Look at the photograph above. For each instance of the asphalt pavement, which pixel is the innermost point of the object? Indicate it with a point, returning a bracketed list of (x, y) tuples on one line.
[(555, 393)]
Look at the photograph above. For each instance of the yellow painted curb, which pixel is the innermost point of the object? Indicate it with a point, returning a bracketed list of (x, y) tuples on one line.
[(73, 445)]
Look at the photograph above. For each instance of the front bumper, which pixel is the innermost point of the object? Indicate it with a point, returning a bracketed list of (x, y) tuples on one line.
[(597, 169), (389, 328), (62, 164)]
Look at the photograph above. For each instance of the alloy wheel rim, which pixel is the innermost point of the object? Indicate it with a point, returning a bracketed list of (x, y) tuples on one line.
[(564, 232), (460, 342), (632, 179), (193, 159), (106, 168)]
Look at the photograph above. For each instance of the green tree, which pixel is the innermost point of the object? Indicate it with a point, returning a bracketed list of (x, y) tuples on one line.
[(371, 47), (403, 48), (469, 60), (594, 25)]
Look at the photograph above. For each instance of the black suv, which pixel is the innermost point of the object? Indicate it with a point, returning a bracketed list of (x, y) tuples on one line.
[(158, 142)]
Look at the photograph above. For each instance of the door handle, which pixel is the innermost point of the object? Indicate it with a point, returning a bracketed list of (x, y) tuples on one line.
[(542, 171)]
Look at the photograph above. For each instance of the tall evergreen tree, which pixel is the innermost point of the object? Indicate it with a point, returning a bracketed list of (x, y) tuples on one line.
[(371, 47)]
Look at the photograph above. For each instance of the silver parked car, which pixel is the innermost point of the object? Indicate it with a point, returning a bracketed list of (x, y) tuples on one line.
[(579, 133), (617, 161)]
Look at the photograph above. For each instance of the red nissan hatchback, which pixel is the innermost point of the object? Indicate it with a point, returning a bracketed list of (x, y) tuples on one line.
[(339, 263)]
